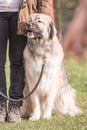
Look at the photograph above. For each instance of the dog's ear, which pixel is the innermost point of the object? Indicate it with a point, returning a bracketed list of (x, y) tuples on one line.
[(51, 33)]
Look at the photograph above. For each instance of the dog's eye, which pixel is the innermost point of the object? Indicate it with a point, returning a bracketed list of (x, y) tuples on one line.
[(40, 21)]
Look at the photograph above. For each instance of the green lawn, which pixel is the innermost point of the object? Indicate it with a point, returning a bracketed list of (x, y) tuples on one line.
[(77, 75)]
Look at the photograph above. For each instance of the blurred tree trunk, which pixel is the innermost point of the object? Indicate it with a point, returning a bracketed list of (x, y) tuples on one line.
[(75, 39)]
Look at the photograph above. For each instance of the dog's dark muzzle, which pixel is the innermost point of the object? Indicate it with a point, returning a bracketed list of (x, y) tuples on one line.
[(33, 30)]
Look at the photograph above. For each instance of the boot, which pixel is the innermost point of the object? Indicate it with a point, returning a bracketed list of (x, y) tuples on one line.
[(14, 112), (3, 112)]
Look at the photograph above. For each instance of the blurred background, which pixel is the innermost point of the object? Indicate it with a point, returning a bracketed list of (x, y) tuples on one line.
[(71, 23)]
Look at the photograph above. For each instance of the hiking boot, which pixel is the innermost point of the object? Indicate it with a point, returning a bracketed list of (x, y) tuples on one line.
[(14, 112), (2, 112)]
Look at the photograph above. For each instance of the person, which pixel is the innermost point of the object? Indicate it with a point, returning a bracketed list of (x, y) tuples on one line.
[(10, 29)]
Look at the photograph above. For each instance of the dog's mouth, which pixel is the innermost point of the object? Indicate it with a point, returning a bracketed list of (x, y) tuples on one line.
[(33, 33), (30, 33)]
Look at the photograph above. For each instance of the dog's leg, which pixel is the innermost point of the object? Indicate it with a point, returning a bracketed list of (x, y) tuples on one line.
[(34, 100), (35, 108), (25, 109), (49, 103), (47, 109)]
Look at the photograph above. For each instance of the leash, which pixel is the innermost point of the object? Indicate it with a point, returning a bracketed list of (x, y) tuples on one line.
[(35, 87)]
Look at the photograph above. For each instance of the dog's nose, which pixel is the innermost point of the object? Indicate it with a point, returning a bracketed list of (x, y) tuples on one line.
[(29, 25)]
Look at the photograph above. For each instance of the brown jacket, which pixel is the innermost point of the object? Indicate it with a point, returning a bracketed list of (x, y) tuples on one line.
[(25, 9)]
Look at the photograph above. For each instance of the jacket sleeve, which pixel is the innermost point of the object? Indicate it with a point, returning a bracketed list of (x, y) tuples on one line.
[(47, 8)]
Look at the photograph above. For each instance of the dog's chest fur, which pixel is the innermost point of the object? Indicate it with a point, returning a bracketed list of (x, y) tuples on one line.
[(33, 63)]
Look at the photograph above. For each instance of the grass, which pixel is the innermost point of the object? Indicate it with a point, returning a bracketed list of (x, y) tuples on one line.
[(77, 75)]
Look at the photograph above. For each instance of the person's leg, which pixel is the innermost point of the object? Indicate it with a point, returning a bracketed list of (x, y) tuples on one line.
[(16, 46), (3, 48)]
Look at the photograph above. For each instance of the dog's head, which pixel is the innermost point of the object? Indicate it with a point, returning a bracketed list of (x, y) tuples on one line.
[(40, 26)]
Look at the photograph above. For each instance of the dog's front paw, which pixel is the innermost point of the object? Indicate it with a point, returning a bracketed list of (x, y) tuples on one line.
[(34, 117), (46, 116)]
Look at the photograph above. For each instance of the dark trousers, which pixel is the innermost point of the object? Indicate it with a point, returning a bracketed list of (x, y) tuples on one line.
[(8, 30)]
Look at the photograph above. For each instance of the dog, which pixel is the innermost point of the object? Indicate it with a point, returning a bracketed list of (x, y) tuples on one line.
[(54, 95)]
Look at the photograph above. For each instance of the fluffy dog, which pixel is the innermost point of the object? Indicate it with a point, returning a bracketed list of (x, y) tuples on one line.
[(54, 95)]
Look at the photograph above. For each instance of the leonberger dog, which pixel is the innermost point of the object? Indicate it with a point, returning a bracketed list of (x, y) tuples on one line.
[(54, 95)]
